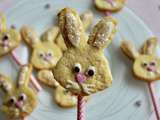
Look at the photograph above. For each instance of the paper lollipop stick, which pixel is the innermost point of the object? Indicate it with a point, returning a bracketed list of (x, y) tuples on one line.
[(154, 100), (81, 108), (33, 79), (145, 66)]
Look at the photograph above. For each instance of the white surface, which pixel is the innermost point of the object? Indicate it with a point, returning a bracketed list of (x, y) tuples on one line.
[(115, 103), (148, 11)]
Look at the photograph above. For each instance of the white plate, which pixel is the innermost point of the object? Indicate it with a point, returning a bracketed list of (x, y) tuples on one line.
[(115, 103)]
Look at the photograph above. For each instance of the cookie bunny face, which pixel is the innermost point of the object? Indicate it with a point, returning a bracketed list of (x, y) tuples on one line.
[(9, 38), (45, 52), (110, 5), (83, 69), (19, 100), (146, 64)]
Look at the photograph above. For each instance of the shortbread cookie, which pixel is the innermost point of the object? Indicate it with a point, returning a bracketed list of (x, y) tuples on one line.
[(146, 64), (109, 5), (9, 38), (86, 18), (45, 53), (83, 68), (19, 99)]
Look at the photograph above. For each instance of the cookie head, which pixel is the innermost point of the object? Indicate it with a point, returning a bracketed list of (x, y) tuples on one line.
[(83, 69), (147, 67), (45, 53), (19, 100), (19, 103), (146, 64), (9, 38)]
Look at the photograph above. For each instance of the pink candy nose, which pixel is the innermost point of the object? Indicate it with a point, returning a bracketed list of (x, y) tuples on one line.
[(80, 77), (18, 104), (151, 68)]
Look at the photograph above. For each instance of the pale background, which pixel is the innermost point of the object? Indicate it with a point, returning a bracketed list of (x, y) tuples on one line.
[(147, 10)]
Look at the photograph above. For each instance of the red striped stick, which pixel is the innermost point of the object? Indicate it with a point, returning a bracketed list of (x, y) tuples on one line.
[(81, 108), (154, 100), (33, 79)]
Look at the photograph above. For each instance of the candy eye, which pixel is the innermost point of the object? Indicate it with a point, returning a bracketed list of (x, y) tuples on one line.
[(77, 67), (144, 64), (22, 97), (91, 71), (49, 54), (12, 100), (41, 55), (153, 63), (5, 37)]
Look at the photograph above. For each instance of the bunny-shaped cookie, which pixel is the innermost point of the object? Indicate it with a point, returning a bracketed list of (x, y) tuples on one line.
[(9, 38), (19, 99), (146, 64), (45, 52), (63, 97), (110, 5), (83, 68)]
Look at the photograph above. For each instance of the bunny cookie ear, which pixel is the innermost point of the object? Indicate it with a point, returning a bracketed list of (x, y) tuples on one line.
[(103, 33), (149, 46), (24, 75), (46, 77), (2, 22), (5, 84), (29, 35), (87, 19), (71, 27), (129, 50), (51, 34)]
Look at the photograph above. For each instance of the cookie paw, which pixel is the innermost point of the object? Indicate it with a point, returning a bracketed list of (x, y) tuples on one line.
[(73, 86), (88, 89)]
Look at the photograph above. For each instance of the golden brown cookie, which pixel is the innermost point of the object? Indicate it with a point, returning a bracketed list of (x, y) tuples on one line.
[(83, 68), (19, 99), (9, 38), (109, 5), (146, 64), (45, 53)]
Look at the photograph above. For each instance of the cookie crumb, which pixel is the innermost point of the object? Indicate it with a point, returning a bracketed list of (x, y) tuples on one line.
[(47, 6), (138, 103), (13, 26)]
